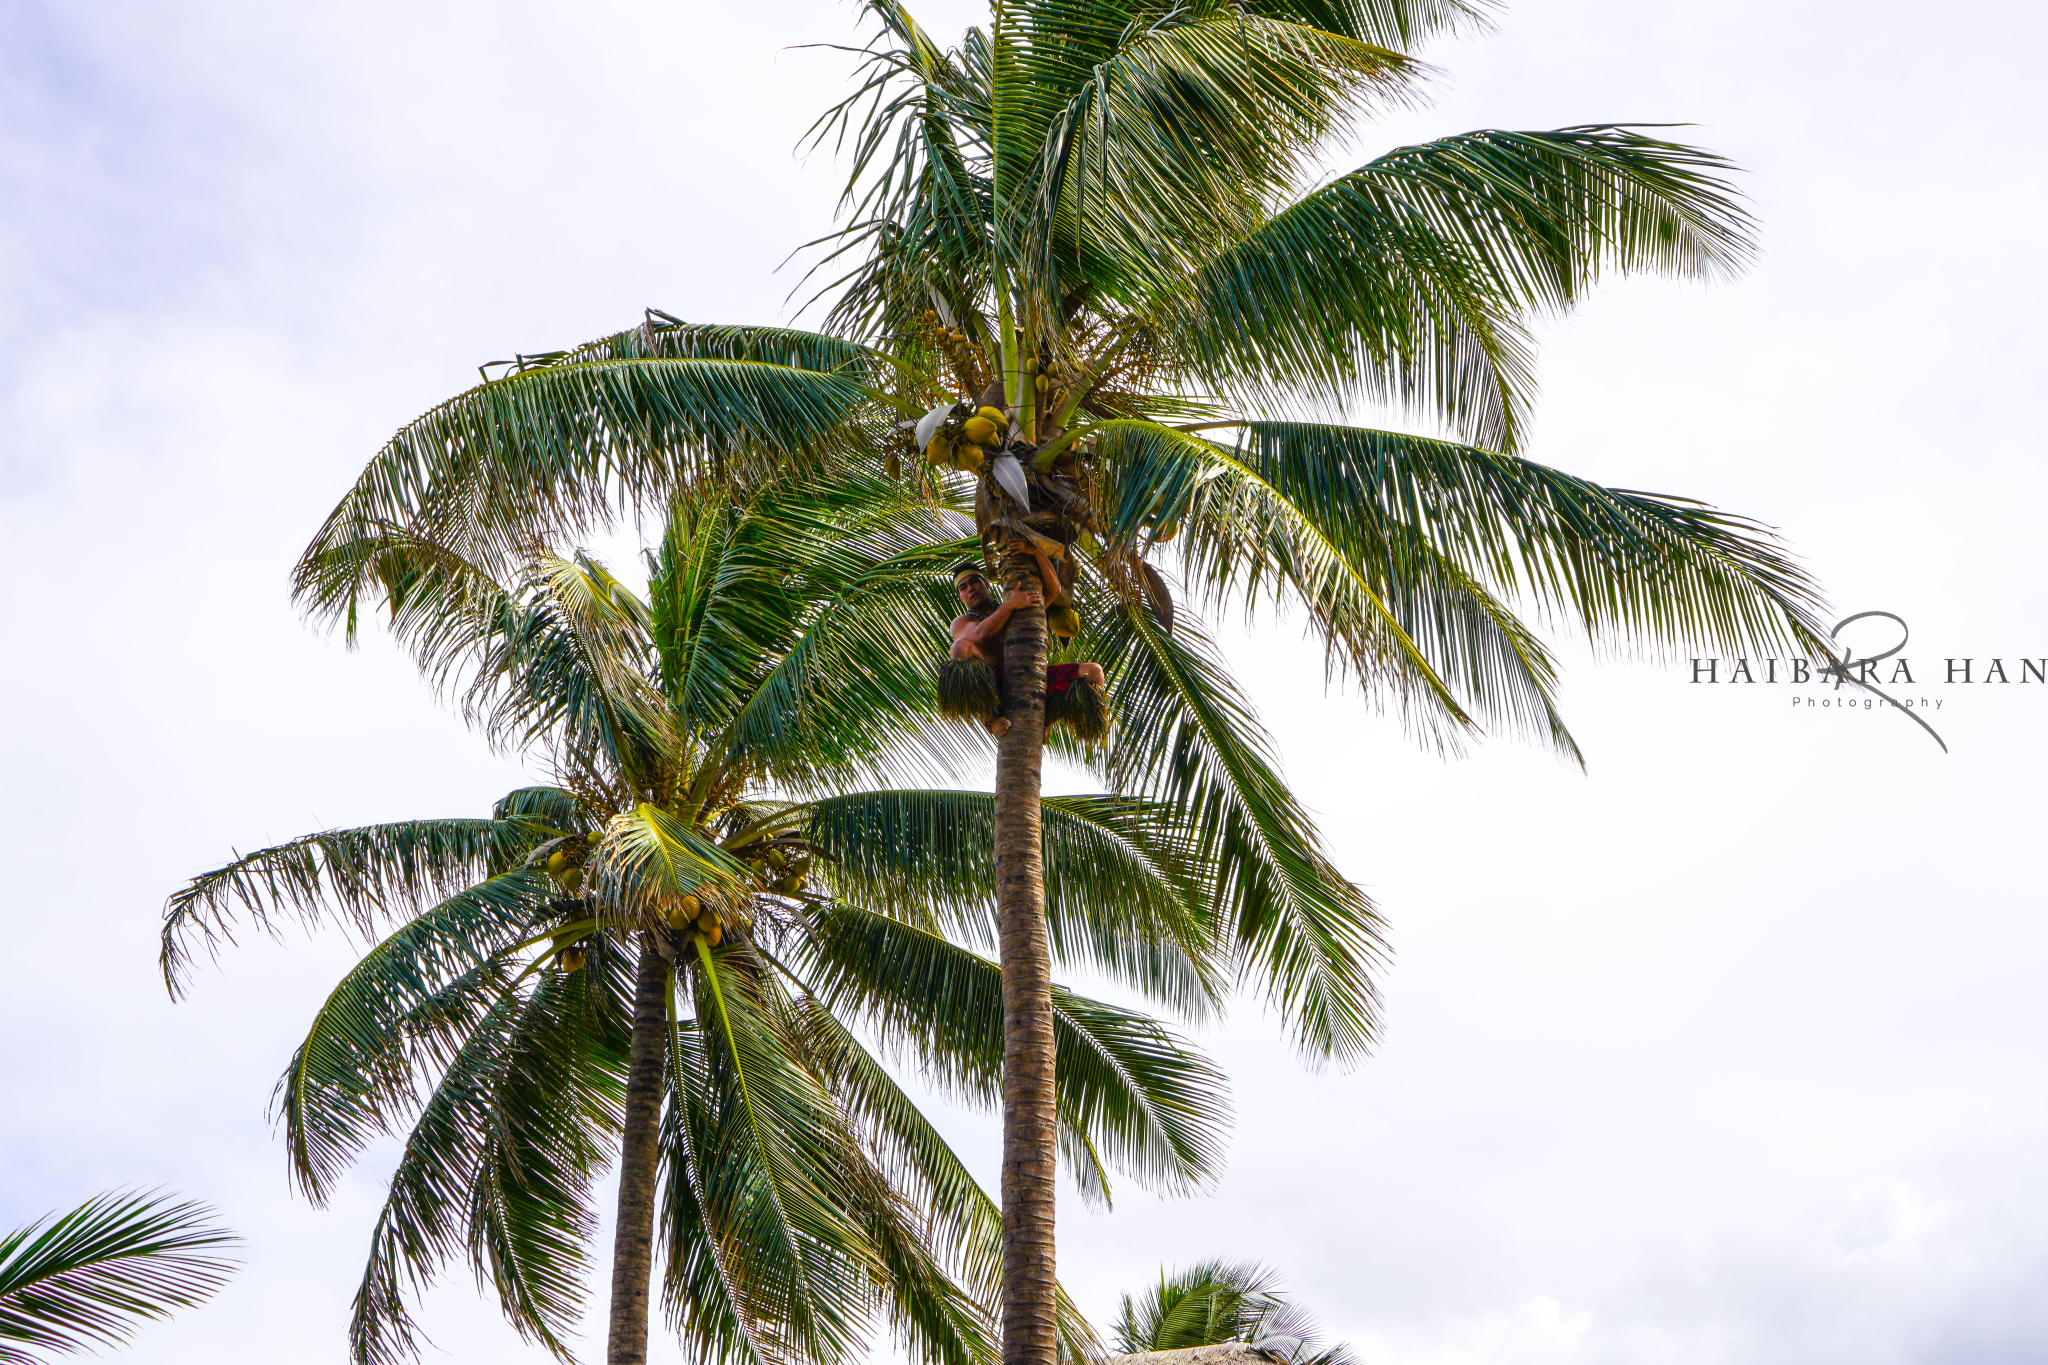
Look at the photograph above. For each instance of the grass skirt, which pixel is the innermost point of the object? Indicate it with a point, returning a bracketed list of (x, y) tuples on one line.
[(1081, 709), (968, 691)]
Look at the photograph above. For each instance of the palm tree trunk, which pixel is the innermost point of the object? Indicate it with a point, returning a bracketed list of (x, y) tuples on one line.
[(1030, 1120), (633, 1238)]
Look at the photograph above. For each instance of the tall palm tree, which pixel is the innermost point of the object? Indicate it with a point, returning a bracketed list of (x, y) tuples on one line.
[(1217, 1302), (1101, 219), (85, 1278), (669, 952)]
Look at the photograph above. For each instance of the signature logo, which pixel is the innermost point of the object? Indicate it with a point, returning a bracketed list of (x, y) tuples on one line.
[(1850, 668)]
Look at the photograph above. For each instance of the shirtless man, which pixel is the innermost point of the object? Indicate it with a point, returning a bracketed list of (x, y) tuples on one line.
[(979, 629)]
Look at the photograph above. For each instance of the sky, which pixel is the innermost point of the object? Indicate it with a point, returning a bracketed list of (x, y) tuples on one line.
[(1732, 1047)]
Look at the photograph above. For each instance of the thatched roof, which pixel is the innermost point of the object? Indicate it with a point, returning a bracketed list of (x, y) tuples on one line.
[(1224, 1353)]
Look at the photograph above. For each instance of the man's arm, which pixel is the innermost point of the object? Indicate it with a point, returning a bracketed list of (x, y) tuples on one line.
[(980, 632), (1047, 574)]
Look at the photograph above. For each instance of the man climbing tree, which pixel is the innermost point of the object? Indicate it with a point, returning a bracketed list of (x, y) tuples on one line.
[(972, 682)]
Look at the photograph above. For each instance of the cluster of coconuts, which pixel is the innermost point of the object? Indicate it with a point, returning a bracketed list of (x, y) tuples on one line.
[(1052, 380), (953, 341), (567, 873), (965, 445), (692, 914)]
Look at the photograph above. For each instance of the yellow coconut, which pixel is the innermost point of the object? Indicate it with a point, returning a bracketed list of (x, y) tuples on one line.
[(557, 860), (1167, 531), (1063, 621), (572, 880), (978, 429), (994, 415), (571, 959), (713, 935)]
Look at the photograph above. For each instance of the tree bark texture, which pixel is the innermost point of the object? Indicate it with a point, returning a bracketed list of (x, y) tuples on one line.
[(1030, 1118), (633, 1237)]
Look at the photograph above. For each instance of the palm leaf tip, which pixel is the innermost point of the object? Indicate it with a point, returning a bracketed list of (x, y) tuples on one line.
[(89, 1277)]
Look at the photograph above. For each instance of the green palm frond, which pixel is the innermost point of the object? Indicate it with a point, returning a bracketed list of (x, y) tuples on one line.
[(1123, 894), (797, 632), (406, 1005), (1145, 1099), (361, 876), (963, 1223), (1254, 542), (776, 1172), (1186, 736), (88, 1277), (1406, 279), (1662, 572), (569, 665), (541, 450), (1174, 130), (1398, 24), (1215, 1301), (699, 1298), (1221, 1301), (499, 1165)]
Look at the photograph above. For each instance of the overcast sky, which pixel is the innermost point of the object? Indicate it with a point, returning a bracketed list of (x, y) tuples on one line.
[(1728, 1049)]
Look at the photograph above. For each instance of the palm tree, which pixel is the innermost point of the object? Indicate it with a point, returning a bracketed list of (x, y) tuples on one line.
[(668, 952), (1090, 217), (73, 1281), (1218, 1302)]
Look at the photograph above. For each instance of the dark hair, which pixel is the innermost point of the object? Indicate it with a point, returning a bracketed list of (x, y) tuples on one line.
[(972, 567)]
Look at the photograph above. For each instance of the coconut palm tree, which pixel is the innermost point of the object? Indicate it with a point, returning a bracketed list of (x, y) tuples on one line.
[(668, 955), (1092, 275), (1218, 1302), (73, 1281)]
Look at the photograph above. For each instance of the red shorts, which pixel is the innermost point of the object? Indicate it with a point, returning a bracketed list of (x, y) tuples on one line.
[(1060, 677)]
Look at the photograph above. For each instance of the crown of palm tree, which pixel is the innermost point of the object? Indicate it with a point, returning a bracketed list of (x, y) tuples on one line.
[(709, 743), (1217, 1302)]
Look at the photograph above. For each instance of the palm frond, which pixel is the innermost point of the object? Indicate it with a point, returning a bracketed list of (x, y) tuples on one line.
[(1148, 1101), (648, 860), (1399, 24), (1248, 541), (552, 447), (500, 1162), (1406, 280), (1156, 135), (362, 876), (405, 1006), (776, 1173), (1660, 571), (88, 1277), (1186, 736), (1123, 895), (1221, 1301)]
